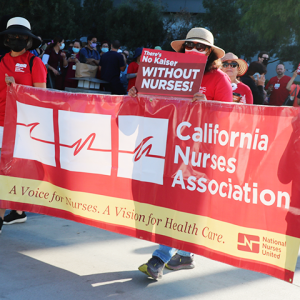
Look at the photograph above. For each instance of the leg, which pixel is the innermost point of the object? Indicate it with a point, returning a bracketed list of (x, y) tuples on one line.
[(181, 260), (155, 266)]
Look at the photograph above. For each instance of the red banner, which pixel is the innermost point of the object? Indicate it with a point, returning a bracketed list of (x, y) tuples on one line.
[(217, 179), (170, 73)]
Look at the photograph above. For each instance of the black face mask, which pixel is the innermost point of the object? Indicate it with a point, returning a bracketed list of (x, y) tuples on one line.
[(16, 45), (265, 61)]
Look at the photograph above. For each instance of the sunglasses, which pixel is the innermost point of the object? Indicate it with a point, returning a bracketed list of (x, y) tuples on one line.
[(20, 36), (232, 64), (198, 46)]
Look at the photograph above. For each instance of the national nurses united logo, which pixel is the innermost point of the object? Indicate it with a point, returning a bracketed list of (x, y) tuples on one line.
[(248, 243), (142, 148)]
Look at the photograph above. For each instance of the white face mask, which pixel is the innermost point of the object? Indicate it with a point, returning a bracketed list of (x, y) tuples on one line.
[(195, 50)]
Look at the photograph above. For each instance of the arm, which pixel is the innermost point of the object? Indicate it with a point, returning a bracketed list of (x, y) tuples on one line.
[(40, 84), (64, 57), (132, 75), (288, 86)]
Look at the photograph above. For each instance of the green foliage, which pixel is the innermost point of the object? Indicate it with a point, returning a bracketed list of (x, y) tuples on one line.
[(177, 25), (47, 18), (276, 20), (93, 19), (136, 23), (223, 19)]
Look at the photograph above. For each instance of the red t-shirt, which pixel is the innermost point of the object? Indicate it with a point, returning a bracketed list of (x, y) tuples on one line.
[(279, 93), (18, 67), (132, 68), (216, 85), (245, 91)]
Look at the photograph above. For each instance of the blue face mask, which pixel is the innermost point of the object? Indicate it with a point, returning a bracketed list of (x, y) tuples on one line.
[(104, 50), (75, 50), (62, 46), (93, 45)]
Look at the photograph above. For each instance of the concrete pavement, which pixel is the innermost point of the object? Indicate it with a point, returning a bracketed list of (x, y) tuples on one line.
[(49, 258)]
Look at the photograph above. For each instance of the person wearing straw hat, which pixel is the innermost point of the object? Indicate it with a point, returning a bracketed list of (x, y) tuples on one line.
[(21, 67), (235, 67), (215, 85)]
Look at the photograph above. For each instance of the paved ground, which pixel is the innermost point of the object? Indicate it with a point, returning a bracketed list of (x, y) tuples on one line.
[(50, 258)]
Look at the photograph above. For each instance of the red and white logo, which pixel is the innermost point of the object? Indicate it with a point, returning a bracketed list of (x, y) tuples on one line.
[(248, 243), (142, 148), (84, 139), (83, 142), (20, 67)]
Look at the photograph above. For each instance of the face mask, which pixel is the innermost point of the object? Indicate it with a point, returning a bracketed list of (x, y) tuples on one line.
[(195, 51), (104, 50), (62, 46), (17, 45), (93, 45), (265, 61), (75, 50)]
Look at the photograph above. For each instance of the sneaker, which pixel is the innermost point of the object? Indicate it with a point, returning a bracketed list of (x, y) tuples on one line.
[(153, 268), (13, 217), (1, 223), (179, 262)]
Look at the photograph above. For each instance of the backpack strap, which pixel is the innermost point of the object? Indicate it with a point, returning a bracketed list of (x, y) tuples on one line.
[(31, 63)]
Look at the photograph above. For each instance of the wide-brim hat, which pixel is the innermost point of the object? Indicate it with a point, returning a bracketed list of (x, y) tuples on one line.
[(138, 52), (243, 66), (199, 35), (20, 25)]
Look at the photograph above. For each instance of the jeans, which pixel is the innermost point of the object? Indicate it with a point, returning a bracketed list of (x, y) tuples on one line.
[(165, 253)]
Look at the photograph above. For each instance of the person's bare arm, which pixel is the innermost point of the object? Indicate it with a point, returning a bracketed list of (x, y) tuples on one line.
[(289, 84), (40, 84)]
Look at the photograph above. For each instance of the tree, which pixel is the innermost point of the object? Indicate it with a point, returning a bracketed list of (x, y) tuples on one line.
[(47, 18), (94, 17), (177, 25), (276, 20), (136, 23), (223, 19)]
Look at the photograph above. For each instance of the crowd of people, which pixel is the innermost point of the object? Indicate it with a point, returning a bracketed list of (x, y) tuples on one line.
[(226, 78)]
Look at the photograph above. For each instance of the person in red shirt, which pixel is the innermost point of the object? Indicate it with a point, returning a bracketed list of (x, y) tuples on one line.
[(234, 67), (21, 67), (276, 87), (215, 85), (133, 68)]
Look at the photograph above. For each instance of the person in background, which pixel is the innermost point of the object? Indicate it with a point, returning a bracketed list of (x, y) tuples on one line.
[(123, 75), (104, 48), (111, 64), (89, 54), (294, 90), (263, 58), (215, 85), (31, 71), (73, 58), (133, 68), (256, 84), (56, 62), (235, 67), (276, 86), (41, 49)]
